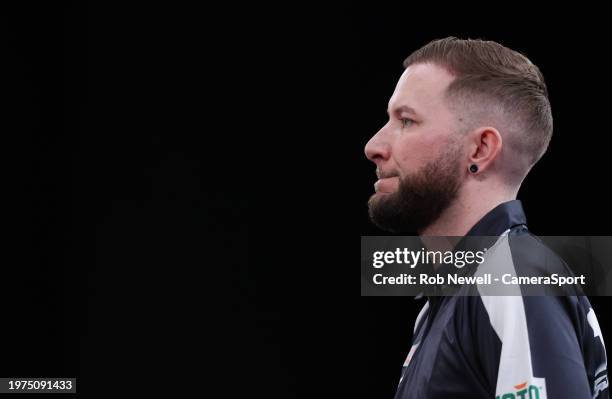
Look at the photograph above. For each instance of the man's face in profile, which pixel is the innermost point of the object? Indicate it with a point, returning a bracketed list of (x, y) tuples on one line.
[(418, 153)]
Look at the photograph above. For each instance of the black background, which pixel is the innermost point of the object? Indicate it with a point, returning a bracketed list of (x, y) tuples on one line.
[(127, 263), (141, 139)]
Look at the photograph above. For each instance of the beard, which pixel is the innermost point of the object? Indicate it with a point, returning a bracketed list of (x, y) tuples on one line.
[(420, 198)]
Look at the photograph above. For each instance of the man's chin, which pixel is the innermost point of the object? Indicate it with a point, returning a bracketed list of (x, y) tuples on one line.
[(381, 194), (376, 198)]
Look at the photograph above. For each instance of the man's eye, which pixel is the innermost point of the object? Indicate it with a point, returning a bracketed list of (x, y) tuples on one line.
[(407, 122)]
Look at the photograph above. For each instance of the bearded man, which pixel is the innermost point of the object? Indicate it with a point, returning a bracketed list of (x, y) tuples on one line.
[(467, 121)]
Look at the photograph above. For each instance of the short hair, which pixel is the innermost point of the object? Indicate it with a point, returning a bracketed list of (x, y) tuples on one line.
[(488, 75)]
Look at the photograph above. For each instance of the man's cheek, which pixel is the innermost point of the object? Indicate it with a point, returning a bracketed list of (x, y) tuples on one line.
[(417, 150)]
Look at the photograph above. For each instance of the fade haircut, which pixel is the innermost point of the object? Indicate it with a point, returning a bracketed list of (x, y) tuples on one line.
[(497, 85)]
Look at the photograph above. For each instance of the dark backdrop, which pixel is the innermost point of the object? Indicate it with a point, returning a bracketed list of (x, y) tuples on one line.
[(126, 249), (48, 258), (139, 137)]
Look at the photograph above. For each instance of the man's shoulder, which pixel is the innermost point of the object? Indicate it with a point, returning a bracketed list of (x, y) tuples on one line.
[(533, 257)]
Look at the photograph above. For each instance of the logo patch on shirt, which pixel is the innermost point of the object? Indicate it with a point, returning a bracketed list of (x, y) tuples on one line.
[(535, 389)]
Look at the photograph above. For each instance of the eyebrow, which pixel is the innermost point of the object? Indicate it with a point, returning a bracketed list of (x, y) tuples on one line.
[(404, 108)]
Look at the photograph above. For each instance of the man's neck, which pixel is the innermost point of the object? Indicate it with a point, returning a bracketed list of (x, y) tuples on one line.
[(462, 215)]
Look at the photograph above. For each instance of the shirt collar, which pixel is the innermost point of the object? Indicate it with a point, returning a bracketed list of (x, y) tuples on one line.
[(503, 217)]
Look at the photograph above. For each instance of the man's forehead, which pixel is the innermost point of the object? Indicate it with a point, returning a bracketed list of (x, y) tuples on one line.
[(420, 83)]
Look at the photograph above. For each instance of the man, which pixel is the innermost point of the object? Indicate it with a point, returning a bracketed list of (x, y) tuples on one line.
[(467, 121)]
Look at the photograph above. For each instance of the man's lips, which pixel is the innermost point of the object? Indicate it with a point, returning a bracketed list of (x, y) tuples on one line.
[(386, 184)]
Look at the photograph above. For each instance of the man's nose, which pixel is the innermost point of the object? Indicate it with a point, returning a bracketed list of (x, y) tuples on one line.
[(378, 148)]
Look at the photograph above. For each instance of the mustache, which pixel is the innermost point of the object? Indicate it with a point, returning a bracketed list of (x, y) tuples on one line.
[(383, 175)]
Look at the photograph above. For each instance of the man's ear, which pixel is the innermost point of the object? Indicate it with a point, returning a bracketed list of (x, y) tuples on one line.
[(485, 147)]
